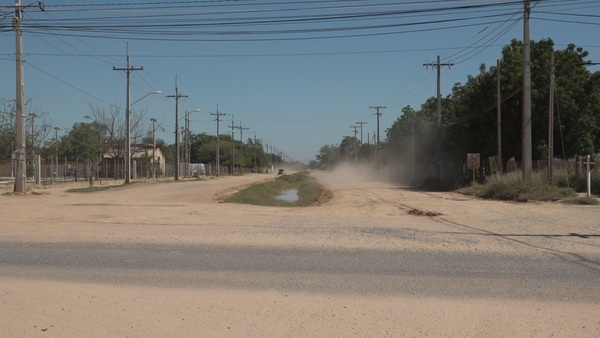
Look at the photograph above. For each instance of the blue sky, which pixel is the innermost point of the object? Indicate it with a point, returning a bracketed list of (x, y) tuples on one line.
[(297, 89)]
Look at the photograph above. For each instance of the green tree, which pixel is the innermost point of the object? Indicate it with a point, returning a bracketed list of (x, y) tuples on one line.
[(85, 141), (470, 118)]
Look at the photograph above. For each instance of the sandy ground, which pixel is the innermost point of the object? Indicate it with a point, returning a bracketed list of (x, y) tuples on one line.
[(364, 214)]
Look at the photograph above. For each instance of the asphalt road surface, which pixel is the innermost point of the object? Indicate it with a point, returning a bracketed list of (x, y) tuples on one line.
[(366, 272)]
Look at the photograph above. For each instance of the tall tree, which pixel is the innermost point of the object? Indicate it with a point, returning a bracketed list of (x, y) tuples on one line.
[(85, 141)]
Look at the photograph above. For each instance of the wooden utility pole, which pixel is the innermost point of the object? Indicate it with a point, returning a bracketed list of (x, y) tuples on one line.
[(526, 160), (438, 124), (551, 121)]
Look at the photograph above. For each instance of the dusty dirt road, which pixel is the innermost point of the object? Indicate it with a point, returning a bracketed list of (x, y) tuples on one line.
[(364, 215)]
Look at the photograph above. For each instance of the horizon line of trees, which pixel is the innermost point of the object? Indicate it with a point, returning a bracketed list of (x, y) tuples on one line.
[(104, 135), (469, 119)]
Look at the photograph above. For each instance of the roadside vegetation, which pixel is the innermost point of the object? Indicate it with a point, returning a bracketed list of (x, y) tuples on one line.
[(510, 187), (96, 188), (265, 194)]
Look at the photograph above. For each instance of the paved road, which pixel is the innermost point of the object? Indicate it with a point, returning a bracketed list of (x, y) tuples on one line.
[(367, 272)]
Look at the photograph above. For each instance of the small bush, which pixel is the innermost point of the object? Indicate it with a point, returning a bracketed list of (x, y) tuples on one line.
[(511, 187)]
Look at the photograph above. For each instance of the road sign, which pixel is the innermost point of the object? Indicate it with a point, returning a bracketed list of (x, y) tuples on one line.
[(473, 161)]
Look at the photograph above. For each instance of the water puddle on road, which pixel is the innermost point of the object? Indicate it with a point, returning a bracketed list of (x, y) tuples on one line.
[(289, 195)]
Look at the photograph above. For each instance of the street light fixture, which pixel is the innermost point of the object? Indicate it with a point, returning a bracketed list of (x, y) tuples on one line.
[(128, 136)]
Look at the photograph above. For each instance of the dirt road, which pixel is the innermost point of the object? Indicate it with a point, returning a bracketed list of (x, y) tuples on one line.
[(364, 215)]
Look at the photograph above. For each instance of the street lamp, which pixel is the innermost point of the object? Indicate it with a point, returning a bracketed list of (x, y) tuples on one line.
[(128, 135)]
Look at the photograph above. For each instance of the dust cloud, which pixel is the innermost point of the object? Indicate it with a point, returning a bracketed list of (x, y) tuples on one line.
[(348, 172)]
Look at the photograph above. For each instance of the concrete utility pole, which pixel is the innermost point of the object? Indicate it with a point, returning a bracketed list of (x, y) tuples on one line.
[(182, 151), (153, 147), (378, 114), (232, 127), (255, 151), (187, 141), (33, 161), (56, 148), (361, 130), (177, 96), (128, 70), (526, 160), (438, 123), (551, 121), (241, 145), (498, 112), (20, 139), (218, 115)]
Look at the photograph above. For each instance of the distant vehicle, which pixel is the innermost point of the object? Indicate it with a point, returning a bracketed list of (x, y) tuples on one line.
[(281, 172), (198, 169)]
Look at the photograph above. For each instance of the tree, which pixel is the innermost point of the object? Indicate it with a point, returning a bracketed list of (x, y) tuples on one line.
[(85, 141), (328, 157), (470, 114), (7, 128), (112, 120)]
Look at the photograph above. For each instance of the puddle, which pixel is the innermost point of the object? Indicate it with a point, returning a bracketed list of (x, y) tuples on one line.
[(289, 195)]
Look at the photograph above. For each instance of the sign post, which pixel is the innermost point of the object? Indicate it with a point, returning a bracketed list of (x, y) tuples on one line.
[(588, 168)]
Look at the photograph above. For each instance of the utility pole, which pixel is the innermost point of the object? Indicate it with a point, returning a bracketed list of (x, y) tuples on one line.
[(56, 148), (33, 162), (267, 148), (255, 151), (354, 141), (20, 139), (188, 142), (153, 147), (498, 112), (412, 146), (551, 120), (177, 96), (526, 160), (232, 127), (33, 116), (128, 70), (182, 151), (218, 115), (355, 128), (438, 123), (361, 130), (241, 146), (378, 114)]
